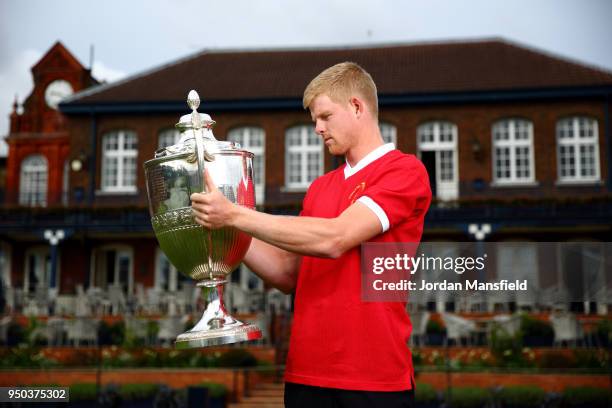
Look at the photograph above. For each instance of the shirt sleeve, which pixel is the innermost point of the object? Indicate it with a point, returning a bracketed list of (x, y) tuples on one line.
[(398, 192)]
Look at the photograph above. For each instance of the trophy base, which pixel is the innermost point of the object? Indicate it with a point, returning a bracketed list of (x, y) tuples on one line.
[(231, 333)]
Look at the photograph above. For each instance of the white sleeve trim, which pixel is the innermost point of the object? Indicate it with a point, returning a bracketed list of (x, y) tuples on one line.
[(377, 209)]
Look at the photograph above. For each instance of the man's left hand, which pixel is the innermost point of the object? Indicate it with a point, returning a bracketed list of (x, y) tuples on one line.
[(212, 209)]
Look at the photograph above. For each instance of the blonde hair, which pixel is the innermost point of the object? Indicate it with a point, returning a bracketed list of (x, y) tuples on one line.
[(341, 82)]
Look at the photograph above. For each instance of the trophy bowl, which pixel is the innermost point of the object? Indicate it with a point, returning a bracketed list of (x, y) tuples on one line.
[(207, 256)]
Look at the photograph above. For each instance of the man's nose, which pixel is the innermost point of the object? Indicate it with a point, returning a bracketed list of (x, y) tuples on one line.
[(319, 129)]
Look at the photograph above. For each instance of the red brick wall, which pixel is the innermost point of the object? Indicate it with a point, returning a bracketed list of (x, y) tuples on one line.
[(474, 122)]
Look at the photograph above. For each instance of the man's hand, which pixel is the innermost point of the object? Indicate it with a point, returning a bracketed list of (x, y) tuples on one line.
[(212, 209)]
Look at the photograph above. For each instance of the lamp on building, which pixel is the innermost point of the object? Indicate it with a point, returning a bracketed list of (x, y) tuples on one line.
[(476, 149), (78, 162)]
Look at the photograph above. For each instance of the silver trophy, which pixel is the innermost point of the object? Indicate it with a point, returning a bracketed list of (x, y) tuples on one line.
[(207, 256)]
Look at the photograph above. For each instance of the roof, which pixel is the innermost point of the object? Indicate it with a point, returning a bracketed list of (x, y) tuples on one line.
[(422, 68)]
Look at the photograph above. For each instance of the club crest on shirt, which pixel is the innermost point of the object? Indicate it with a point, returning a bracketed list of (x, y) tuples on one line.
[(357, 192)]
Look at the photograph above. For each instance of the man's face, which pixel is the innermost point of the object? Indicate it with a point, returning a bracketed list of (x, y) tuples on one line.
[(334, 123)]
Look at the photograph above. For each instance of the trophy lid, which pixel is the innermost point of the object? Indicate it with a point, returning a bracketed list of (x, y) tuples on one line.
[(194, 120)]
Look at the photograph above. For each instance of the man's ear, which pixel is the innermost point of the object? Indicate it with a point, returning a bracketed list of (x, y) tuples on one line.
[(357, 106)]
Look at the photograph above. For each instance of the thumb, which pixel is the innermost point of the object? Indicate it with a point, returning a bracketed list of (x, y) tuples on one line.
[(208, 182)]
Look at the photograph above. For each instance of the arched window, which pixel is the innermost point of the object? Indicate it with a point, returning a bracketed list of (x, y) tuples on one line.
[(168, 137), (388, 132), (303, 156), (513, 161), (253, 139), (577, 150), (33, 181), (119, 153)]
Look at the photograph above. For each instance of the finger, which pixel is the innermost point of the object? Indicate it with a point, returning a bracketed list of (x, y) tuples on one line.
[(210, 184)]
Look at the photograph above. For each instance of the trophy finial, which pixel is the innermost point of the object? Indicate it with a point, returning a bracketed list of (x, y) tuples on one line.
[(193, 100)]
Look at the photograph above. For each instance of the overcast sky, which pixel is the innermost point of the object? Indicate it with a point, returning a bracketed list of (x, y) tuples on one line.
[(130, 36)]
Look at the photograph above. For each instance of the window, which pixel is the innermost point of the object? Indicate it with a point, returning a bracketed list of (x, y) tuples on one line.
[(513, 151), (577, 150), (119, 153), (168, 137), (388, 132), (37, 270), (437, 148), (5, 265), (253, 140), (113, 267), (33, 181), (304, 156), (167, 278)]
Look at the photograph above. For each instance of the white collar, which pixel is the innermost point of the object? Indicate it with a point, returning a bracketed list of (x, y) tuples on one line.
[(375, 154)]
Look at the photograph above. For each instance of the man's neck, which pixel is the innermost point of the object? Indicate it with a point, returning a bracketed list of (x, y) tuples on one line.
[(354, 155)]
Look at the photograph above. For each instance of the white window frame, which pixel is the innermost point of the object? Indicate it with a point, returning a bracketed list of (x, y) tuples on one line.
[(174, 276), (445, 189), (168, 137), (121, 250), (119, 154), (245, 137), (303, 148), (512, 144), (388, 132), (576, 141), (33, 179)]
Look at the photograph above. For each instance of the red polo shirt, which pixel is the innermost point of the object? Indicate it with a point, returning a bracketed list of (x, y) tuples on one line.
[(337, 340)]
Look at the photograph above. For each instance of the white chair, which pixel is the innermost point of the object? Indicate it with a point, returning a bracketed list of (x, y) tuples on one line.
[(56, 331), (169, 328), (82, 329), (419, 321), (567, 328), (116, 298), (458, 328), (153, 301)]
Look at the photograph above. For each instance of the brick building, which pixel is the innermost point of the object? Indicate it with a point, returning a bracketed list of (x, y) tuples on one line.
[(513, 138)]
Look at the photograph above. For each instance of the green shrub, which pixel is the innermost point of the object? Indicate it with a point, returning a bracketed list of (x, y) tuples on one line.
[(533, 327), (237, 358), (583, 397), (215, 390), (425, 393), (83, 392), (434, 327), (131, 392), (469, 397), (521, 396)]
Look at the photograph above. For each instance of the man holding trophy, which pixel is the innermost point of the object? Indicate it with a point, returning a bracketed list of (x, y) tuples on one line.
[(343, 351)]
